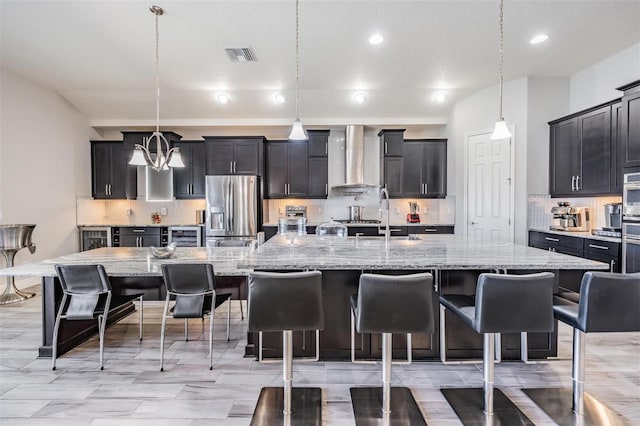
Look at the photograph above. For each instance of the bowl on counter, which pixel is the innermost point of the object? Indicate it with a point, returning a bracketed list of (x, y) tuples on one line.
[(163, 252)]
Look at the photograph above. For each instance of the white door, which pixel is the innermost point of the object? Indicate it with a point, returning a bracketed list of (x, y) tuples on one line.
[(489, 202)]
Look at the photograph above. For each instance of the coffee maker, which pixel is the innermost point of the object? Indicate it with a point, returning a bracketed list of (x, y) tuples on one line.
[(567, 218), (413, 216)]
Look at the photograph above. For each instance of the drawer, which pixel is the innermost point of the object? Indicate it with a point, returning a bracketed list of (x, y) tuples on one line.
[(556, 240), (426, 229), (612, 261), (369, 231), (607, 248), (139, 230)]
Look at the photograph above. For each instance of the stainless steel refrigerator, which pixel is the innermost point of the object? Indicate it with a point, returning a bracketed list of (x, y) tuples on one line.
[(233, 208)]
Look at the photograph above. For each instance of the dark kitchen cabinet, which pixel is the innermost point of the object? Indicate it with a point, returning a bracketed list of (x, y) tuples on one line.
[(234, 155), (617, 153), (580, 153), (603, 251), (189, 181), (287, 169), (318, 177), (109, 170), (425, 168), (392, 175), (392, 142), (630, 127), (139, 236), (430, 229), (318, 143)]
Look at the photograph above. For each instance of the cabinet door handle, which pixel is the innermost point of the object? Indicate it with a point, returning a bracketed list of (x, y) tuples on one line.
[(551, 239), (231, 167), (577, 182), (106, 189), (598, 247), (139, 231), (285, 189), (613, 264), (326, 147), (573, 183), (395, 230), (430, 230), (110, 193), (326, 189), (235, 167), (385, 147), (426, 189)]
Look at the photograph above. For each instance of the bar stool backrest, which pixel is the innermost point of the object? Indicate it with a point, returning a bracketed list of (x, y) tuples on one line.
[(85, 287), (189, 283), (514, 303), (395, 304), (609, 302), (285, 301)]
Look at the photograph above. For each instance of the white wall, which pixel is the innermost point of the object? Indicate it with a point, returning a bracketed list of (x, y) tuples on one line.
[(44, 164), (548, 99), (597, 83)]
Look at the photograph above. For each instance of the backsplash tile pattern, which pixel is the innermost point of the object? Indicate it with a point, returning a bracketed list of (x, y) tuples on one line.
[(116, 212), (539, 209)]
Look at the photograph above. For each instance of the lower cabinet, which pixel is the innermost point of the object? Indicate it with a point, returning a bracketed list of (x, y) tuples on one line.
[(139, 236), (588, 248)]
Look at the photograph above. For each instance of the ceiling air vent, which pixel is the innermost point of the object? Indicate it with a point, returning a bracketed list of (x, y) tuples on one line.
[(241, 54)]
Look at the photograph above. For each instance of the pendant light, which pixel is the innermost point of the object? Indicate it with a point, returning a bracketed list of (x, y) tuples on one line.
[(297, 131), (500, 131), (142, 156)]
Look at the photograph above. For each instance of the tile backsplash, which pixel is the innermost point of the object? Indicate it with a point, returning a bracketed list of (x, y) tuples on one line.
[(135, 212), (539, 209)]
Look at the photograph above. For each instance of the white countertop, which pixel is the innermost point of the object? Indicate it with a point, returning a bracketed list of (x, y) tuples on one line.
[(373, 224)]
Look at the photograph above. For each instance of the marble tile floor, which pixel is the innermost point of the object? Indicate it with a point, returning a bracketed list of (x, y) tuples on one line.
[(132, 391)]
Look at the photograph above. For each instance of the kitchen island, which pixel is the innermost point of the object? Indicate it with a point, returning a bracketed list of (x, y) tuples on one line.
[(455, 261)]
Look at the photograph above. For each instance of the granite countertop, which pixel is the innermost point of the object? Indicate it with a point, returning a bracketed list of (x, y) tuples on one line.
[(578, 235), (373, 224), (134, 261), (430, 252)]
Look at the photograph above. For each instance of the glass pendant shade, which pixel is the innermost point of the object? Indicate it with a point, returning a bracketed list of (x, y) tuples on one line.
[(297, 132), (138, 158), (500, 131), (176, 160)]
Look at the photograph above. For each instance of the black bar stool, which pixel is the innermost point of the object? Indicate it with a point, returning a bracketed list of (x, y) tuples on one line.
[(503, 304), (391, 304), (286, 302), (86, 295), (607, 303)]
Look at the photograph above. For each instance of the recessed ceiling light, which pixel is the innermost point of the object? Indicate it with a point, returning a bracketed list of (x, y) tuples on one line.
[(376, 39), (359, 98), (539, 39), (223, 98), (279, 98), (440, 97)]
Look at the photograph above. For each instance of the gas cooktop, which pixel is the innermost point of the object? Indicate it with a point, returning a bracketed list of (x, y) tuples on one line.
[(363, 221)]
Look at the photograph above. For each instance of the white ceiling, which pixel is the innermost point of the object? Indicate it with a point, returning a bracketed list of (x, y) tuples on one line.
[(100, 54)]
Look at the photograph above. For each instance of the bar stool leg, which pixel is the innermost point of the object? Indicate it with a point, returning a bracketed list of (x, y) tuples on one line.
[(386, 373), (287, 368), (577, 371), (141, 317), (487, 372)]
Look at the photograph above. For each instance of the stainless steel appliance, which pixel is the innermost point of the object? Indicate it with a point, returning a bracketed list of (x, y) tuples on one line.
[(613, 217), (185, 236), (631, 224), (93, 237), (567, 218), (233, 207), (296, 212), (14, 238)]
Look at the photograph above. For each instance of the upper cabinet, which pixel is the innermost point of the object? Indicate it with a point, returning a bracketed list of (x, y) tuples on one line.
[(420, 171), (189, 181), (109, 170), (234, 155), (630, 128), (392, 142), (580, 154), (291, 170)]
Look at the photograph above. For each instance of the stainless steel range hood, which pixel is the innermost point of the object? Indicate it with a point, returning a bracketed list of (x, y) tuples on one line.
[(354, 162)]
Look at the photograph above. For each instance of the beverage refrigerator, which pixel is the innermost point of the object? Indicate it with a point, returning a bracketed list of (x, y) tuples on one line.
[(234, 208)]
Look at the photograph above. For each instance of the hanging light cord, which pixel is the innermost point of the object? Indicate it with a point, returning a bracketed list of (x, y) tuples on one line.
[(297, 65), (157, 13), (501, 57)]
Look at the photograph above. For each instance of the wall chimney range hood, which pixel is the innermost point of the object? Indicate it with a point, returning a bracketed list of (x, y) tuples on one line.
[(354, 163)]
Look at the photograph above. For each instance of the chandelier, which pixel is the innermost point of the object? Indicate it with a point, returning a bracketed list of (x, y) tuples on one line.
[(297, 131), (501, 131), (142, 155)]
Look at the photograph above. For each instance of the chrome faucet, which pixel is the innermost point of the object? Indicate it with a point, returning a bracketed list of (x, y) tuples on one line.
[(383, 209)]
